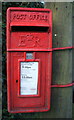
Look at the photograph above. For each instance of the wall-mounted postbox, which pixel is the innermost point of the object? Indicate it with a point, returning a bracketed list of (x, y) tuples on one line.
[(29, 59)]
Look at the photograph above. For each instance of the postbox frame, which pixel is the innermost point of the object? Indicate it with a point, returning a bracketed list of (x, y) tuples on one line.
[(9, 50)]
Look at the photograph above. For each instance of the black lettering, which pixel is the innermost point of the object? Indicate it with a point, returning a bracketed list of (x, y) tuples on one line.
[(27, 67), (22, 66), (28, 77)]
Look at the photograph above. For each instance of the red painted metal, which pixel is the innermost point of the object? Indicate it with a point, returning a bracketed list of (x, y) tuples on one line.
[(50, 50), (29, 30)]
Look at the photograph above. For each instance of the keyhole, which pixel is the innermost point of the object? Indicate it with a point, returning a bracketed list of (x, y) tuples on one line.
[(16, 81)]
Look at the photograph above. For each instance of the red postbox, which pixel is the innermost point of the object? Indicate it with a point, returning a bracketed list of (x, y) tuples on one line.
[(29, 59)]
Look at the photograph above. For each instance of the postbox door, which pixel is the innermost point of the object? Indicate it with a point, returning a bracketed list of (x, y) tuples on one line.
[(29, 99)]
